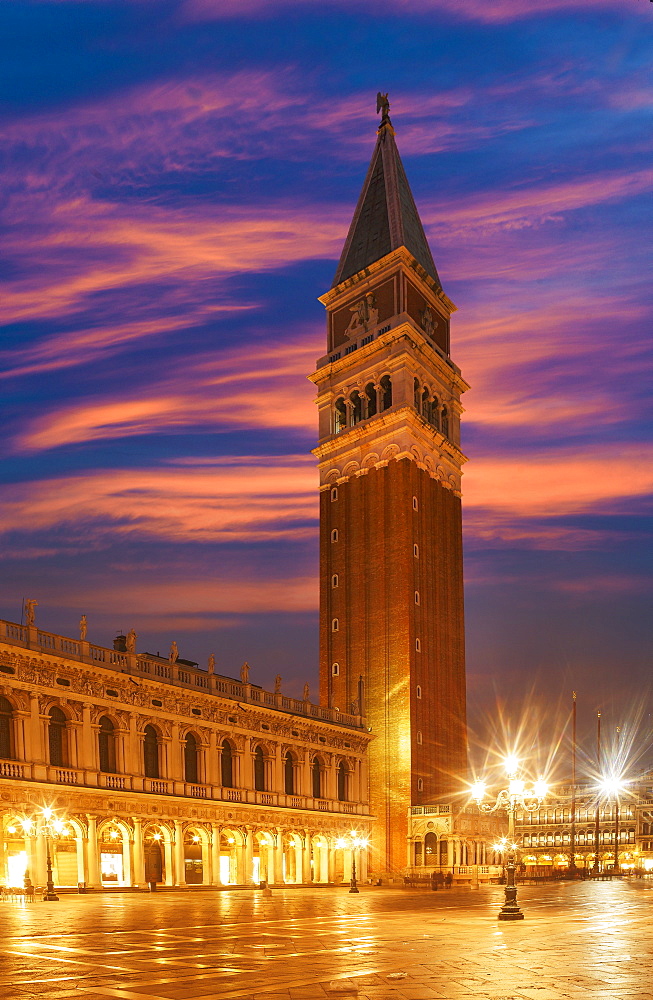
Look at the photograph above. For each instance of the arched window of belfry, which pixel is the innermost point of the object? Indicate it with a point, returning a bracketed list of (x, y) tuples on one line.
[(370, 393), (386, 392), (417, 397), (445, 422), (356, 407), (339, 416)]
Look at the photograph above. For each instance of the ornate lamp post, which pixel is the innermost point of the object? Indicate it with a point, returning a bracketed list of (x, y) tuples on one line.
[(611, 786), (353, 843), (52, 828), (516, 796)]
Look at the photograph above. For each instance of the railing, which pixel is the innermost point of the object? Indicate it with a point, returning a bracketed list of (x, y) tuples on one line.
[(232, 794), (439, 810), (65, 776), (119, 782), (10, 770), (131, 662), (158, 785), (196, 791)]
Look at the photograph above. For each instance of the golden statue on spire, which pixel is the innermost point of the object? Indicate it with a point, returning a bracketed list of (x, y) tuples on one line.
[(382, 105)]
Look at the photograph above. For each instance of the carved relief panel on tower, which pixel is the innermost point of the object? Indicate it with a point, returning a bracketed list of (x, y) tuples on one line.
[(369, 308)]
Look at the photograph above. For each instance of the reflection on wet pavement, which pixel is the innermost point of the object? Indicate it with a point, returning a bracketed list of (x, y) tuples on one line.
[(578, 940)]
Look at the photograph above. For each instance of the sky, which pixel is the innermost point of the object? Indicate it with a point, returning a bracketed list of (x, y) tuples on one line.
[(179, 177)]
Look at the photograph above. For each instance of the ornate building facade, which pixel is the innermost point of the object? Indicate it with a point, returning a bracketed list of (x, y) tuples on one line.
[(391, 577), (158, 771)]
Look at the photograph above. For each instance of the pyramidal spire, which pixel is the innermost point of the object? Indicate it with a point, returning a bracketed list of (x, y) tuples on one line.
[(386, 216)]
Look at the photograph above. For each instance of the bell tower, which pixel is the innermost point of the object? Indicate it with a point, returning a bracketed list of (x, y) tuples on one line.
[(391, 574)]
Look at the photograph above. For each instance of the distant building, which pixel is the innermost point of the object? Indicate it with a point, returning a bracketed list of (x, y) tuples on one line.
[(546, 836)]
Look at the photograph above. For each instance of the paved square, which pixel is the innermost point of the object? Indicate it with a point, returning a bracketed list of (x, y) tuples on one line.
[(577, 941)]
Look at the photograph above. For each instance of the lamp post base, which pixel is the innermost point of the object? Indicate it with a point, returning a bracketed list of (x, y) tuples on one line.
[(50, 897), (510, 910)]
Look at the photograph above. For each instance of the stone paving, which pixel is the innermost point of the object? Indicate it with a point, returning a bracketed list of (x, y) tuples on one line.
[(578, 940)]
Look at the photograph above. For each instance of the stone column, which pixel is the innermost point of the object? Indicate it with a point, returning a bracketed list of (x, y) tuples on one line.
[(88, 752), (212, 773), (215, 854), (139, 860), (306, 859), (248, 856), (450, 853), (93, 854), (37, 750), (180, 867)]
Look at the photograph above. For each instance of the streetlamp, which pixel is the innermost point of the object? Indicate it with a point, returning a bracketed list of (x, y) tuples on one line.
[(353, 843), (52, 828), (516, 795), (611, 786)]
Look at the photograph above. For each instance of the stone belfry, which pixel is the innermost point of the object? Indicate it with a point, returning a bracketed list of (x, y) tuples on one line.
[(391, 570)]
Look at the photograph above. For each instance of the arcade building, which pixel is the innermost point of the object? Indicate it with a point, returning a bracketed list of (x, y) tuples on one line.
[(160, 771)]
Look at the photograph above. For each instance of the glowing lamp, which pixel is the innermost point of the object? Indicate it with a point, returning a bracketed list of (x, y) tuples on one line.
[(11, 829), (511, 764), (479, 789), (516, 786), (540, 788)]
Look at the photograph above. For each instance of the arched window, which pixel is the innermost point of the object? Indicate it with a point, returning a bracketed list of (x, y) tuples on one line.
[(190, 759), (342, 781), (415, 503), (370, 393), (335, 669), (356, 407), (107, 745), (445, 422), (227, 765), (289, 774), (430, 850), (426, 405), (339, 416), (418, 691), (418, 646), (386, 392), (420, 785), (6, 729), (417, 399), (334, 535), (419, 738), (416, 551), (417, 598), (334, 493), (57, 743), (334, 581), (335, 625), (259, 769), (150, 752), (435, 413), (316, 778)]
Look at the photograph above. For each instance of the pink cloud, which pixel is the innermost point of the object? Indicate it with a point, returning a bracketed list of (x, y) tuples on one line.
[(566, 481), (238, 389), (535, 203), (214, 503), (468, 10)]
